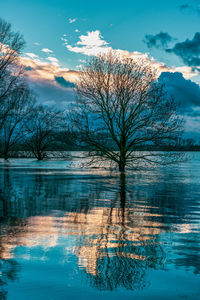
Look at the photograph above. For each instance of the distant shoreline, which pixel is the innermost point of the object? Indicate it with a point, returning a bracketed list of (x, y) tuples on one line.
[(65, 154)]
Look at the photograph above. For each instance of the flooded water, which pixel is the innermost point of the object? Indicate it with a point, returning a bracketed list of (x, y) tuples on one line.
[(73, 233)]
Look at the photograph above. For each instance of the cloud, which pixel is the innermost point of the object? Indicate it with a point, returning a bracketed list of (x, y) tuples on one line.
[(93, 38), (184, 6), (187, 96), (52, 84), (46, 50), (186, 71), (185, 92), (64, 39), (94, 44), (188, 51), (195, 7), (50, 93), (90, 44), (192, 126), (31, 55), (72, 20), (53, 60), (61, 80), (39, 71), (28, 68), (159, 40)]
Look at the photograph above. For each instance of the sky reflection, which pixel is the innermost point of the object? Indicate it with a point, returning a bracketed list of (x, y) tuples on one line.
[(112, 232)]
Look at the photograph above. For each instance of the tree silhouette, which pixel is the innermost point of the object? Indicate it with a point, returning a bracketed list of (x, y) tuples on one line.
[(121, 106), (11, 70)]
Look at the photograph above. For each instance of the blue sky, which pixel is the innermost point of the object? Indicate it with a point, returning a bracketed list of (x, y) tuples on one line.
[(61, 34), (123, 24)]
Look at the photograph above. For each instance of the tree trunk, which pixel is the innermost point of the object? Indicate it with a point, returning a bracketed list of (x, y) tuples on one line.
[(122, 161), (123, 197), (121, 166), (6, 154), (122, 190), (39, 156)]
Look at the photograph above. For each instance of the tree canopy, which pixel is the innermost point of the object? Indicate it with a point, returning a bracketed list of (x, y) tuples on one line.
[(120, 106)]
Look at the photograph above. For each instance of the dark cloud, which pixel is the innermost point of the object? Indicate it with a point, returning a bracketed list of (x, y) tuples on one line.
[(185, 92), (184, 6), (64, 83), (159, 40), (191, 7), (188, 51), (28, 68), (48, 93), (187, 96)]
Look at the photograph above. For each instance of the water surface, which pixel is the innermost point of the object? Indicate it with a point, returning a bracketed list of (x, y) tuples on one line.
[(74, 233)]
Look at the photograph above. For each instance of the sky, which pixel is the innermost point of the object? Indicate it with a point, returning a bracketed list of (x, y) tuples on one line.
[(61, 34)]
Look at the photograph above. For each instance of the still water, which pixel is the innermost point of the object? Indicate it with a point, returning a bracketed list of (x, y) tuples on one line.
[(73, 233)]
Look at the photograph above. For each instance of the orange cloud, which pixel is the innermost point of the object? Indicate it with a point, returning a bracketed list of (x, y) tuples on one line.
[(37, 70), (93, 43)]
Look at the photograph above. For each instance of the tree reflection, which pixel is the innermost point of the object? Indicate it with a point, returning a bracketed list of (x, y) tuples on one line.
[(33, 193), (9, 267), (8, 272), (123, 248)]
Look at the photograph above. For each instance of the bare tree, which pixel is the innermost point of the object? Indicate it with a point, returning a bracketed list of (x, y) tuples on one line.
[(11, 70), (20, 104), (121, 106), (42, 129), (11, 45)]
